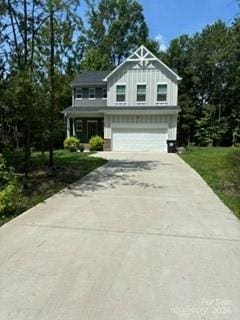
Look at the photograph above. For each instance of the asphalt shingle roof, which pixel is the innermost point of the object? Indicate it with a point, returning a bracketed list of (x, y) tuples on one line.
[(90, 77)]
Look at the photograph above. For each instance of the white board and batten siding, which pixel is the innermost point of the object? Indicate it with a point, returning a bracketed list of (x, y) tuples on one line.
[(147, 120), (132, 74)]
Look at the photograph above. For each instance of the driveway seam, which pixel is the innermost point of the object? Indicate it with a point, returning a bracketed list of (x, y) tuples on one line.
[(130, 232)]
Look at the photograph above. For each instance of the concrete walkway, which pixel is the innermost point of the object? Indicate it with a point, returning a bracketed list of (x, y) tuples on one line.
[(141, 238)]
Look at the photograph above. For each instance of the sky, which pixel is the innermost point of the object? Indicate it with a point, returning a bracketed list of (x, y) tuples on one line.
[(168, 19)]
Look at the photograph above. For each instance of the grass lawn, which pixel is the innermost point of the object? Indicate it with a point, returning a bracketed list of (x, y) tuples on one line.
[(42, 183), (220, 168)]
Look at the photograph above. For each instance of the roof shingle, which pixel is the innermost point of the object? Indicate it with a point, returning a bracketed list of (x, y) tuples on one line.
[(90, 78)]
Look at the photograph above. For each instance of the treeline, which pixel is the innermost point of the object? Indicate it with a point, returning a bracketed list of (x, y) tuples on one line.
[(39, 46), (209, 94), (44, 43)]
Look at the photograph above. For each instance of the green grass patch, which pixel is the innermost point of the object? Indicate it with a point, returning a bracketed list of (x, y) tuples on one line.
[(42, 182), (220, 168)]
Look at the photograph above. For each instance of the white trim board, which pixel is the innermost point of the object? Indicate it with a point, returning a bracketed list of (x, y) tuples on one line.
[(116, 125), (139, 112)]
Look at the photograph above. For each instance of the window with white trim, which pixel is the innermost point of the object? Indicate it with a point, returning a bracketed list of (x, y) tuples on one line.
[(162, 92), (104, 93), (141, 92), (78, 93), (121, 93), (91, 93), (79, 125)]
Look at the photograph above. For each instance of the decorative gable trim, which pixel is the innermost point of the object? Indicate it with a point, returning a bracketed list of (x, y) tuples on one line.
[(142, 56)]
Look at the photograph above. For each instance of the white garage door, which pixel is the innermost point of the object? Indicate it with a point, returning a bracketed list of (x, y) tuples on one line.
[(139, 139)]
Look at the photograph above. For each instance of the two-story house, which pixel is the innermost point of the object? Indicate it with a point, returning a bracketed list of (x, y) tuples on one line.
[(133, 107)]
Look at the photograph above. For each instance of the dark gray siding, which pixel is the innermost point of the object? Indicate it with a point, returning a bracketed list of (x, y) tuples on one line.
[(86, 102), (91, 103)]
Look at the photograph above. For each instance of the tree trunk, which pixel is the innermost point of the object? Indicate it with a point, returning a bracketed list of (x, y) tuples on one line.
[(52, 98), (27, 151), (16, 136), (42, 150), (26, 74), (25, 32)]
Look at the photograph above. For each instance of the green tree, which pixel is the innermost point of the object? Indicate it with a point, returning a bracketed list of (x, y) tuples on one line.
[(233, 82), (60, 40), (210, 131), (209, 64), (179, 56), (116, 28), (18, 29), (95, 60), (37, 65)]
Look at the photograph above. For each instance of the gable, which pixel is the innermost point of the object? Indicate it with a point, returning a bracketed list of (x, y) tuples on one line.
[(142, 58)]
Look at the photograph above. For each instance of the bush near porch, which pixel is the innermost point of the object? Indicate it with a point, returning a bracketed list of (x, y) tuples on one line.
[(72, 144), (42, 183), (96, 143), (220, 168)]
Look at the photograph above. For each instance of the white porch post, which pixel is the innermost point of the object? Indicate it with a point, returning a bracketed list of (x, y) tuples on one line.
[(68, 127), (74, 131)]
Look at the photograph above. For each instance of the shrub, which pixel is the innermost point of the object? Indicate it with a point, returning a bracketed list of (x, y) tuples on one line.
[(3, 170), (10, 191), (6, 173), (71, 144), (11, 199), (96, 143)]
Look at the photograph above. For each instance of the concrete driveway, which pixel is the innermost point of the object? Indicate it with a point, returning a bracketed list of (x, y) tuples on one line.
[(141, 238)]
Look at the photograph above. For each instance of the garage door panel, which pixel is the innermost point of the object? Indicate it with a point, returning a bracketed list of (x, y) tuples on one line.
[(139, 139)]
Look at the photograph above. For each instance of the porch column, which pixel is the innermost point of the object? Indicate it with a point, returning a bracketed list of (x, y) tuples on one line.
[(68, 127), (74, 131)]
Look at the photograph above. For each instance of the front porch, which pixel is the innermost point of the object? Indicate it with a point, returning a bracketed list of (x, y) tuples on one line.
[(85, 127)]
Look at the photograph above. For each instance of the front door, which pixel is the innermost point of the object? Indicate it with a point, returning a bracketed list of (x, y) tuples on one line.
[(92, 129)]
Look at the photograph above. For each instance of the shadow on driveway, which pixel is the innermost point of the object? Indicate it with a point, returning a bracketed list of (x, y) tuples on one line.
[(115, 173)]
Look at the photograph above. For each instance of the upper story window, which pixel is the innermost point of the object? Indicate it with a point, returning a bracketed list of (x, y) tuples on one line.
[(104, 93), (91, 93), (121, 93), (162, 92), (78, 93), (141, 93)]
